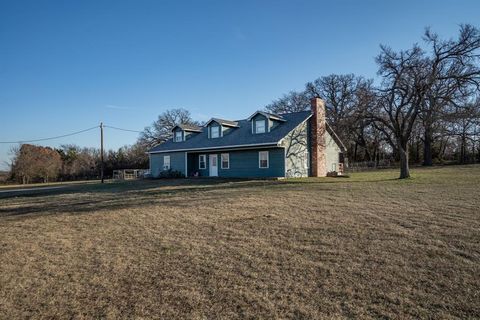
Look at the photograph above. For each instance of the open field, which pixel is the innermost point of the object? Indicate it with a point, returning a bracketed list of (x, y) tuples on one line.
[(365, 246)]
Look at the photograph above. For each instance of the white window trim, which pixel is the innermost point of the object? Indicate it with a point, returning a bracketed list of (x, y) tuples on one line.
[(264, 126), (211, 134), (204, 161), (164, 161), (228, 160), (260, 162), (176, 136)]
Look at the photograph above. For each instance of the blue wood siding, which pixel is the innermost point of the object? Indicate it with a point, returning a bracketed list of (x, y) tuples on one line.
[(243, 164), (177, 162)]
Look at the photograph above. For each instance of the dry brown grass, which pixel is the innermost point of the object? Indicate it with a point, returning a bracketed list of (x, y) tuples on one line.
[(367, 246)]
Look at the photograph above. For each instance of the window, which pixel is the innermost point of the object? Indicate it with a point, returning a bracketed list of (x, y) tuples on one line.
[(178, 136), (225, 161), (166, 162), (202, 161), (215, 133), (260, 126), (263, 159)]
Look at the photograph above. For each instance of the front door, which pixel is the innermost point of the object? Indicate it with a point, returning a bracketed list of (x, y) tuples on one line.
[(213, 165)]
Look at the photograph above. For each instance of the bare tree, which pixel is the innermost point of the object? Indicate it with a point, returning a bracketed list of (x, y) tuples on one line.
[(344, 97), (464, 125), (453, 74), (399, 96), (161, 130), (410, 77), (292, 102)]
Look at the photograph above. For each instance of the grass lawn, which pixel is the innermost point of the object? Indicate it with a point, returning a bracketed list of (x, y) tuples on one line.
[(365, 246)]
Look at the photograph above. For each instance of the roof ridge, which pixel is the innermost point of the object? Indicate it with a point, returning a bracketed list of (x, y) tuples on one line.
[(239, 137)]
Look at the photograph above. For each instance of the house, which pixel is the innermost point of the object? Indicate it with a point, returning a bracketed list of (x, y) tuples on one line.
[(298, 144)]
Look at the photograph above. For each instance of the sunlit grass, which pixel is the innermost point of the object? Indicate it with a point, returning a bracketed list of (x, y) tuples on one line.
[(367, 246)]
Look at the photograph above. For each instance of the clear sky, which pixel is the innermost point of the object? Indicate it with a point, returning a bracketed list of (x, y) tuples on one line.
[(67, 65)]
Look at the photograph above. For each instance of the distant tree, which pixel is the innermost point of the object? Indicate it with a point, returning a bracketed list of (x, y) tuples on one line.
[(346, 97), (49, 164), (137, 156), (77, 162), (35, 163), (161, 130), (465, 126), (292, 102), (453, 73)]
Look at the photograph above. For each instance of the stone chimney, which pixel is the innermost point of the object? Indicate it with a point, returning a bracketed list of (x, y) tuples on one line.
[(318, 144)]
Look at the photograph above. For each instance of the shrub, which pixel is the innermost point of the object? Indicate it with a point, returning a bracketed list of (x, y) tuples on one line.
[(170, 174)]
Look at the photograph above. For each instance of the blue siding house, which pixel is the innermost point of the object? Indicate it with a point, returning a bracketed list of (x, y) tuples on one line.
[(264, 145)]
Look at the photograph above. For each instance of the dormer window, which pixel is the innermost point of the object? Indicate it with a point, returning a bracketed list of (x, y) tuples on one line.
[(183, 132), (260, 126), (263, 122), (217, 128), (178, 136), (215, 133)]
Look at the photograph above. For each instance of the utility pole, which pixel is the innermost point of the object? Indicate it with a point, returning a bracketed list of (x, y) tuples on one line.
[(101, 151)]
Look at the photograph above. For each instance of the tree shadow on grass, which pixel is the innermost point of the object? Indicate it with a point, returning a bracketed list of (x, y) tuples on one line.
[(114, 197), (180, 193)]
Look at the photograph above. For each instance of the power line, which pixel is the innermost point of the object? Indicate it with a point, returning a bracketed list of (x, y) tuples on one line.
[(68, 135), (50, 138), (122, 129)]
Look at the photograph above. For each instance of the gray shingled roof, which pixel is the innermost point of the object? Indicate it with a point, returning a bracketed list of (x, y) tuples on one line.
[(238, 137), (268, 115), (189, 127), (224, 122)]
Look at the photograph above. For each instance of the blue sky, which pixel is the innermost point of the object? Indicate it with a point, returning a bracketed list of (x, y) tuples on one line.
[(67, 65)]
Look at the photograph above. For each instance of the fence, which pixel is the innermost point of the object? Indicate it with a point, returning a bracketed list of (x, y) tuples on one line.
[(129, 174), (371, 165)]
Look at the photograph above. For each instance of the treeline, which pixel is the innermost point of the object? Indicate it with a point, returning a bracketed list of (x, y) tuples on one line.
[(424, 109), (33, 163)]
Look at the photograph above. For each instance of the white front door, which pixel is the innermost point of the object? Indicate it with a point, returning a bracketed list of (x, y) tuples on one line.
[(213, 165)]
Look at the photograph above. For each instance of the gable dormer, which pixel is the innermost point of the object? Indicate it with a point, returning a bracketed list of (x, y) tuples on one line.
[(263, 122), (217, 128), (182, 132)]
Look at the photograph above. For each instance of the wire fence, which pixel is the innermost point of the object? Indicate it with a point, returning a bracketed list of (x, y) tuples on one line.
[(371, 165)]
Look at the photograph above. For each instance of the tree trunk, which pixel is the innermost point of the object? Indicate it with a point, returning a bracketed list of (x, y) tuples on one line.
[(462, 150), (417, 151), (473, 152), (427, 148), (404, 168)]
